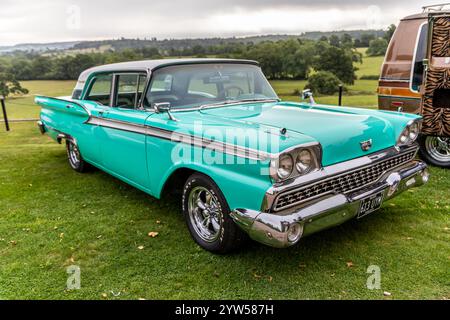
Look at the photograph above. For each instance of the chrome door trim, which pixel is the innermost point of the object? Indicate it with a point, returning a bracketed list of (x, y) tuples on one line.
[(180, 137)]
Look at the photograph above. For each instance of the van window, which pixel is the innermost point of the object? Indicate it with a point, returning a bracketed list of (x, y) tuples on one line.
[(100, 90), (421, 51)]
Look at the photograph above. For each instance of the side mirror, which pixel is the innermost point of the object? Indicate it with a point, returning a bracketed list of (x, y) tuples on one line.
[(307, 94), (164, 107)]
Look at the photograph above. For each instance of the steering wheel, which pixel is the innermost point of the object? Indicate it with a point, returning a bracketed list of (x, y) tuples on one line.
[(230, 88)]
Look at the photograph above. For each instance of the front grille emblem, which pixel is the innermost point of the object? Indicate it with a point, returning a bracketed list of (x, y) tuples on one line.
[(366, 145)]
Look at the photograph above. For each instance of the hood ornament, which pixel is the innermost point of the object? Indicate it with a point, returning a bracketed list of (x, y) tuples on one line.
[(366, 145)]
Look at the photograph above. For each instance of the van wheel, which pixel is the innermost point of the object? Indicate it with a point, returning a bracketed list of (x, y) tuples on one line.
[(207, 216), (435, 150), (75, 159)]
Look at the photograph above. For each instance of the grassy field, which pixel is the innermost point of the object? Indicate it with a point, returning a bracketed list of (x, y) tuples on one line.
[(52, 217)]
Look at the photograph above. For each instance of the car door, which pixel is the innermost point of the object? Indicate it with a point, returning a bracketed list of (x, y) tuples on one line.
[(97, 101), (123, 131)]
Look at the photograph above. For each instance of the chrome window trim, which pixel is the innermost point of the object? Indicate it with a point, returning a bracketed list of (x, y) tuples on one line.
[(413, 62), (331, 172)]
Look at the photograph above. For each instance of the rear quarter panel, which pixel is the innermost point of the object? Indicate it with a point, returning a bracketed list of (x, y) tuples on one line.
[(64, 115)]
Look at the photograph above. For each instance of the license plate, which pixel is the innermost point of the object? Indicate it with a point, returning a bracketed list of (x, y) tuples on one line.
[(370, 205)]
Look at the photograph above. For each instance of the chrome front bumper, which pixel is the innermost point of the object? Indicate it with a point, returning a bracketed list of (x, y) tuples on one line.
[(273, 228)]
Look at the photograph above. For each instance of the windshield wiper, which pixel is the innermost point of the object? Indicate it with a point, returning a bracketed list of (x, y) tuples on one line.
[(233, 102)]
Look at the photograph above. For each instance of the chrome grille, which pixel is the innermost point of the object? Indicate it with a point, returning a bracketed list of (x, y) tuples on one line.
[(341, 184)]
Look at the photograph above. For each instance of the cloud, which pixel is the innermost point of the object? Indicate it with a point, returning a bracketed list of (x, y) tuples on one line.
[(49, 21)]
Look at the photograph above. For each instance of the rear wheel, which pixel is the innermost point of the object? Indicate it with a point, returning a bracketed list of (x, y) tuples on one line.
[(75, 159), (435, 150), (207, 216)]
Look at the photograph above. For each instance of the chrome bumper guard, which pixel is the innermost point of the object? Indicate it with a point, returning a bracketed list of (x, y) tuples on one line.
[(284, 229)]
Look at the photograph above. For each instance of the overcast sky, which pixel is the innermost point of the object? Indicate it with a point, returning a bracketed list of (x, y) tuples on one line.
[(67, 20)]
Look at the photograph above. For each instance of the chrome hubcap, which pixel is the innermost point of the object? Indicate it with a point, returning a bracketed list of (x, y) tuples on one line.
[(74, 154), (205, 214), (438, 148)]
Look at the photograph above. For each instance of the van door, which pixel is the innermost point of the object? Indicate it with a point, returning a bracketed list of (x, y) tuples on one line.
[(435, 106)]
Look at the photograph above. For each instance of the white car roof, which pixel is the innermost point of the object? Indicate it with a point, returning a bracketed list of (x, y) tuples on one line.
[(149, 65)]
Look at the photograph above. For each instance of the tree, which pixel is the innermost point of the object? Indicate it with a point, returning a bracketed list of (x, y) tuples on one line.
[(377, 47), (336, 60), (347, 41), (41, 67), (334, 41), (390, 32), (366, 38), (9, 85), (298, 59), (270, 58), (21, 69), (323, 82)]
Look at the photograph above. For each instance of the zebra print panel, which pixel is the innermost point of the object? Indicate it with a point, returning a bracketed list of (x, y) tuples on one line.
[(441, 33), (436, 121)]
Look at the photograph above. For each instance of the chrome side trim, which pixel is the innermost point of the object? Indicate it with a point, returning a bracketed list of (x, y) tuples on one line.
[(117, 124), (181, 138), (332, 171)]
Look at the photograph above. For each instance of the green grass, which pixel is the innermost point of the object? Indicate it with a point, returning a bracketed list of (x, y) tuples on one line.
[(362, 93), (371, 66), (52, 217)]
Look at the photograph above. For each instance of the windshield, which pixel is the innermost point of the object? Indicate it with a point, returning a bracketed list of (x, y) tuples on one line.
[(188, 86)]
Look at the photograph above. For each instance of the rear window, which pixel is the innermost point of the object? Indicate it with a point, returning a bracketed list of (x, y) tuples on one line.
[(100, 90)]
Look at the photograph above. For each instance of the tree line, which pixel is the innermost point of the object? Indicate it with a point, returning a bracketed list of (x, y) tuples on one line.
[(292, 58)]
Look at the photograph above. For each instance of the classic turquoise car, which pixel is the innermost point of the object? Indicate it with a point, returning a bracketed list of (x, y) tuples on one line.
[(246, 162)]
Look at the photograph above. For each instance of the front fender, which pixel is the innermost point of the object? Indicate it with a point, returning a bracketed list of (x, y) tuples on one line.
[(243, 185)]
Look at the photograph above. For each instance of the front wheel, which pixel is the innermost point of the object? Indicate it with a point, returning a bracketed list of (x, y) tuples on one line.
[(435, 150), (207, 216)]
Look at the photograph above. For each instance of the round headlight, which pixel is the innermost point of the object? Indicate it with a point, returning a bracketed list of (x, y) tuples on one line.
[(404, 137), (304, 162), (285, 166), (414, 129)]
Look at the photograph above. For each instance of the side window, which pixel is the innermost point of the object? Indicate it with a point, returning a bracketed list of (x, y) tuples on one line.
[(129, 88), (101, 89), (421, 51)]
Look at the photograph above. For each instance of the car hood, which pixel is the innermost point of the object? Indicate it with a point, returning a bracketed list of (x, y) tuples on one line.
[(339, 131)]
